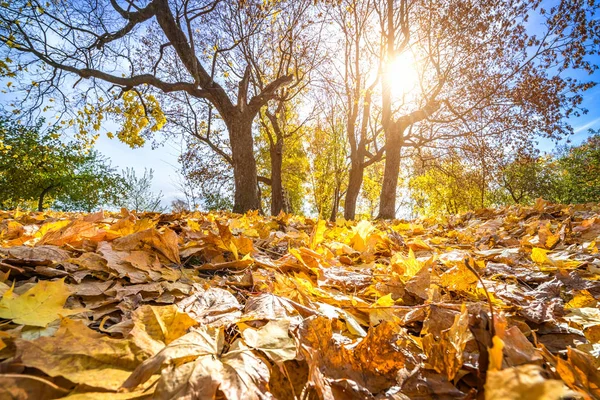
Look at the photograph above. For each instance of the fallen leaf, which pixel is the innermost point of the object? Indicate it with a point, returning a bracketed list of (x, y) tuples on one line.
[(39, 306), (81, 355), (23, 387), (195, 369), (273, 340), (524, 382)]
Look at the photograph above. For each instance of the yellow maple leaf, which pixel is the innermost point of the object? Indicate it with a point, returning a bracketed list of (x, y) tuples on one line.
[(39, 306)]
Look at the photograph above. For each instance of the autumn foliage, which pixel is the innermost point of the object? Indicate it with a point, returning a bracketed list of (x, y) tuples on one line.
[(495, 304)]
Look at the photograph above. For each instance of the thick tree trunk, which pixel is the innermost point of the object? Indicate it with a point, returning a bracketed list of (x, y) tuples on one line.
[(277, 197), (354, 183), (244, 165), (387, 199)]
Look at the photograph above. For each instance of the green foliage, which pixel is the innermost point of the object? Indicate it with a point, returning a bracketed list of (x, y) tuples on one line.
[(294, 171), (527, 178), (455, 185), (138, 195), (294, 161), (580, 175), (38, 167)]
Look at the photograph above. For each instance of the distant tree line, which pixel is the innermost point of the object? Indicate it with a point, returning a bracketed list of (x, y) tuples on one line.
[(39, 169), (455, 182)]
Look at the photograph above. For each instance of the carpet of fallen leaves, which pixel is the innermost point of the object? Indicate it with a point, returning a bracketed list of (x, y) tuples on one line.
[(495, 304)]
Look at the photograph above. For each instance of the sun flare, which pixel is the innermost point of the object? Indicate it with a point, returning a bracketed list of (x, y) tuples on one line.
[(402, 75)]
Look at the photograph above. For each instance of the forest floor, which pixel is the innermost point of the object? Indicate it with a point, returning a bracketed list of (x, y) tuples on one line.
[(495, 304)]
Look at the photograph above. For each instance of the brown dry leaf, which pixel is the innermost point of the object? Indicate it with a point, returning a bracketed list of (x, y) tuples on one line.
[(547, 238), (524, 382), (582, 299), (194, 368), (140, 395), (372, 363), (374, 309), (445, 354), (10, 230), (165, 243), (273, 340), (458, 277), (580, 373), (116, 264), (28, 387), (267, 306), (81, 355), (154, 327), (518, 349), (424, 384), (214, 306), (39, 255), (39, 306), (74, 234)]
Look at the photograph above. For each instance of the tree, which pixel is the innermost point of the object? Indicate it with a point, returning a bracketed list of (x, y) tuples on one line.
[(527, 177), (446, 185), (207, 180), (130, 53), (479, 70), (580, 178), (179, 206), (283, 157), (328, 171), (355, 87), (36, 165), (138, 195)]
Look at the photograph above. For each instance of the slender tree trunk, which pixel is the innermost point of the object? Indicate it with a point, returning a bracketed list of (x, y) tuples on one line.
[(354, 183), (41, 198), (387, 199), (277, 198), (244, 165), (336, 203)]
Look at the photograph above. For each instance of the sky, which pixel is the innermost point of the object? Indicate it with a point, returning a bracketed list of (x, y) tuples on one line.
[(163, 160)]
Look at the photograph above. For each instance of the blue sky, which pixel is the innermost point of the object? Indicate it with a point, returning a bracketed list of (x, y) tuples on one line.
[(162, 160)]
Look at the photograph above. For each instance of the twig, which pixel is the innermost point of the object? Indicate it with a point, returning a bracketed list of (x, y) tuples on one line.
[(489, 299)]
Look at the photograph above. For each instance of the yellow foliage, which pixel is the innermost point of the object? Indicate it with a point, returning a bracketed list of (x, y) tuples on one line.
[(136, 112)]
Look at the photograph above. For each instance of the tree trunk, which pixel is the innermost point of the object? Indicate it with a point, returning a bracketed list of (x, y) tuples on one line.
[(387, 200), (354, 183), (41, 198), (277, 198), (244, 165), (336, 204)]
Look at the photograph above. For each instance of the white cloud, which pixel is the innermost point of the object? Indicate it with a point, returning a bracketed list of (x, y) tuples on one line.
[(585, 127)]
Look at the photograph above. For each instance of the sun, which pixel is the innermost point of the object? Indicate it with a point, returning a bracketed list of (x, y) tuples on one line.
[(402, 75)]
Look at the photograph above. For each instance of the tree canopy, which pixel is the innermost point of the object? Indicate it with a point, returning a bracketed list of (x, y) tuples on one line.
[(250, 86)]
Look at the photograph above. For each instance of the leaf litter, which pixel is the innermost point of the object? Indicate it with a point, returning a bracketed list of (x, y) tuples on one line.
[(494, 304)]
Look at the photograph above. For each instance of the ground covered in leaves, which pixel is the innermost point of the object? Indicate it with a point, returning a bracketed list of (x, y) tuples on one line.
[(500, 304)]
